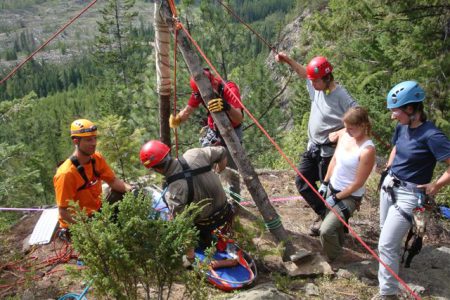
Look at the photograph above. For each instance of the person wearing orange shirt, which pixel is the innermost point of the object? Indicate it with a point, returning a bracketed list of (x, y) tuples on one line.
[(79, 178)]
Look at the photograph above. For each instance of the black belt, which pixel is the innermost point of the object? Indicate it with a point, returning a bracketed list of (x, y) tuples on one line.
[(218, 218)]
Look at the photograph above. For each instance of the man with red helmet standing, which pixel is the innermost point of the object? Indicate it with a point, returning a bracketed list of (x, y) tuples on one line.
[(228, 100), (79, 178), (329, 102)]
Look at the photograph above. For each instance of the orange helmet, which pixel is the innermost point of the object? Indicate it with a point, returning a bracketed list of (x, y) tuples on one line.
[(82, 128), (318, 67), (153, 153)]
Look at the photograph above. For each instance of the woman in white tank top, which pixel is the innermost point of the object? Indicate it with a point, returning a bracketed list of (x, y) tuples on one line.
[(347, 173)]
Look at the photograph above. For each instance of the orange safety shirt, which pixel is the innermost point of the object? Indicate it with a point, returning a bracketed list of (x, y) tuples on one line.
[(68, 180)]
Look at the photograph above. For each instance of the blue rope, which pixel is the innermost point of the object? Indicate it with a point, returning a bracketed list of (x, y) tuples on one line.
[(74, 296)]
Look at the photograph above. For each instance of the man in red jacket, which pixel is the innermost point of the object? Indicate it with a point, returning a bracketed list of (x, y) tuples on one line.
[(228, 100)]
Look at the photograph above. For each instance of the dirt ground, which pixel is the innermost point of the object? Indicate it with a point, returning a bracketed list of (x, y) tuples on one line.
[(430, 269)]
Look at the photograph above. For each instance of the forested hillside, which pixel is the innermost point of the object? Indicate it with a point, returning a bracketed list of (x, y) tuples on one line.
[(372, 44)]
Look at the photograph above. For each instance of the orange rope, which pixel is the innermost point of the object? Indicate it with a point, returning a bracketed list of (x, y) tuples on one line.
[(352, 232), (47, 42), (173, 8)]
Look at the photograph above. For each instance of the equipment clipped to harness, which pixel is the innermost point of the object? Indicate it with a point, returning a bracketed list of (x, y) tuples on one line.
[(80, 169), (413, 243), (412, 247), (187, 174)]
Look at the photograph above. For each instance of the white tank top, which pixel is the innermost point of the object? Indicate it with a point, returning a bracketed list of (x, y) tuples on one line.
[(346, 166)]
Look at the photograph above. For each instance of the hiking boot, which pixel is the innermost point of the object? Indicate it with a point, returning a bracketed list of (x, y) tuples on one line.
[(314, 229)]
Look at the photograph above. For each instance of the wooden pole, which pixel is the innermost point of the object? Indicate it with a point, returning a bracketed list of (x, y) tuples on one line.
[(238, 154), (164, 85)]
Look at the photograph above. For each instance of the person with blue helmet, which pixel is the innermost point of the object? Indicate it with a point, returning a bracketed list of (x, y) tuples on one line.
[(418, 145)]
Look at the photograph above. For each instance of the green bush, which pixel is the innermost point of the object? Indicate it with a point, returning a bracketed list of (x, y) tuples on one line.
[(133, 257)]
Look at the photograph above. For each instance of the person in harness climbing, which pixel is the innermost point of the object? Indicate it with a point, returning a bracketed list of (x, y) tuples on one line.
[(343, 185), (418, 145), (79, 178), (329, 102), (190, 179), (228, 100)]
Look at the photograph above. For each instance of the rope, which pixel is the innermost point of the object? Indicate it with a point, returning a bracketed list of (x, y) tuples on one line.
[(30, 264), (248, 26), (173, 9), (20, 209), (387, 146), (273, 224), (351, 231), (47, 42), (77, 296)]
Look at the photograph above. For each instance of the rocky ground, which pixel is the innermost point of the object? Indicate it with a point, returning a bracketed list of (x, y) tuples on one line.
[(352, 276)]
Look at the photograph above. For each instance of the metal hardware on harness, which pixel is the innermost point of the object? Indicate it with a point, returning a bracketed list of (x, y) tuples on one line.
[(389, 188)]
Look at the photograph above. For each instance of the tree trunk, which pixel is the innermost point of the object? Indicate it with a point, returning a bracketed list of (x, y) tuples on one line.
[(238, 154)]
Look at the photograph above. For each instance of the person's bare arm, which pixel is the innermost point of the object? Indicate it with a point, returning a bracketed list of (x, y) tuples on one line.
[(298, 68), (433, 188), (335, 135), (65, 214), (391, 157), (119, 185), (186, 113), (236, 115)]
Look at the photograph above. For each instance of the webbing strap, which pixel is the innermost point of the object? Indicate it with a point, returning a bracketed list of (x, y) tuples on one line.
[(390, 190), (82, 172), (187, 174)]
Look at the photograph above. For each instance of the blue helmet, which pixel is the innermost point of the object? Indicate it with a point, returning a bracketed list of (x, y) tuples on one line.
[(404, 93)]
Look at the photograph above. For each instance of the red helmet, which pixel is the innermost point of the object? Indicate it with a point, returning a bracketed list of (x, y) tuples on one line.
[(153, 152), (318, 67), (207, 73)]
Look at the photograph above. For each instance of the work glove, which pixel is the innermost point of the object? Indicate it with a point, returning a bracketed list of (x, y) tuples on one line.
[(174, 121), (323, 189), (331, 200), (218, 105)]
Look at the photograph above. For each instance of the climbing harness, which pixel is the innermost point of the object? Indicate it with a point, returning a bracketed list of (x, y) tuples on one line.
[(87, 183), (397, 183), (418, 219), (341, 205), (187, 174)]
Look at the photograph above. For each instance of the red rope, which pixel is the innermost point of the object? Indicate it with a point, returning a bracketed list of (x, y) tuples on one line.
[(30, 264), (47, 42), (352, 232)]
